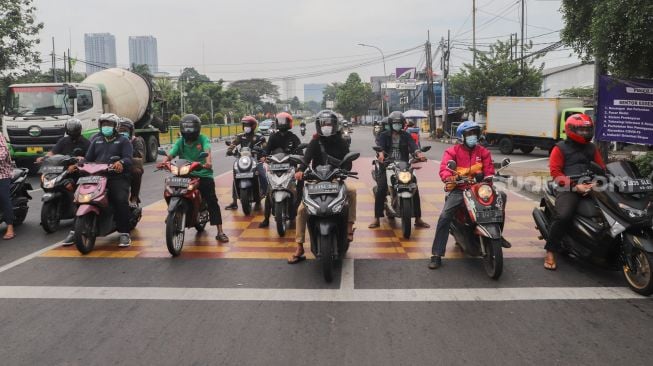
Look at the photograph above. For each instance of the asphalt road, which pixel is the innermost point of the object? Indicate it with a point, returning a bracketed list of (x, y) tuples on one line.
[(163, 311)]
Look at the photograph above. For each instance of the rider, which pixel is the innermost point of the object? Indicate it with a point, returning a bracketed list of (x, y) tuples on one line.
[(570, 157), (328, 141), (126, 128), (109, 144), (471, 159), (248, 138), (189, 147), (414, 132), (282, 139), (399, 145)]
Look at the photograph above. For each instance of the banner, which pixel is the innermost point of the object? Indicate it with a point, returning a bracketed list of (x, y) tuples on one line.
[(406, 73), (625, 111)]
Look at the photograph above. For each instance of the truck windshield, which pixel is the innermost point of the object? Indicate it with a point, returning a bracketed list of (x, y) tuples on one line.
[(38, 101)]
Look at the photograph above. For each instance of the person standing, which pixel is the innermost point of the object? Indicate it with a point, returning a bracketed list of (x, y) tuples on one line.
[(6, 169)]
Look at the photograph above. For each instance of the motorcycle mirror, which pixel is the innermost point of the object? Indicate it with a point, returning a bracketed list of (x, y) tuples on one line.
[(596, 168), (452, 165), (505, 162), (425, 148), (203, 154), (350, 157), (377, 148), (297, 159), (228, 143), (114, 158), (302, 146), (161, 152), (78, 152)]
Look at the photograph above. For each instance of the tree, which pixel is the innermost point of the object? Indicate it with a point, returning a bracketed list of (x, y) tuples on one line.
[(295, 104), (205, 118), (579, 92), (252, 90), (175, 119), (495, 74), (329, 94), (166, 98), (617, 32), (354, 96), (218, 118), (312, 106), (142, 70)]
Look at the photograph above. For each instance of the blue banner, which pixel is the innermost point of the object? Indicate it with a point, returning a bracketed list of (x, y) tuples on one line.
[(625, 112)]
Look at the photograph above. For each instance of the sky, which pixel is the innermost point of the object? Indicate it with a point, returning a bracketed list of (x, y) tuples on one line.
[(312, 41)]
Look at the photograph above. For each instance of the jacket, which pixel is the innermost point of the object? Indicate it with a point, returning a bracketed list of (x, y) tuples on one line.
[(469, 162), (407, 145)]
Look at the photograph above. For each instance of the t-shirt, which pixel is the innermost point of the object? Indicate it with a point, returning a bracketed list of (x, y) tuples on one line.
[(192, 152), (66, 145), (396, 151)]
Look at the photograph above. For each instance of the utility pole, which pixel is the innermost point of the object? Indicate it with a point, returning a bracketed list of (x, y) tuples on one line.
[(445, 82), (70, 67), (429, 84), (54, 63), (474, 32), (65, 72), (523, 12), (181, 94)]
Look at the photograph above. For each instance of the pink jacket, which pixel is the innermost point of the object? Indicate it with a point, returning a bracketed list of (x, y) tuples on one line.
[(469, 162)]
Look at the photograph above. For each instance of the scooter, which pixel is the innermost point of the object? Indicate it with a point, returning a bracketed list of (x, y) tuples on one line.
[(302, 129), (94, 216), (402, 186), (327, 206), (58, 188), (19, 193), (186, 208), (612, 224), (246, 177), (283, 189), (478, 225), (346, 135)]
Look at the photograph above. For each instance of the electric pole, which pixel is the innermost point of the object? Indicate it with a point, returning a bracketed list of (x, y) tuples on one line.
[(429, 84), (445, 81), (54, 63), (474, 32), (523, 12)]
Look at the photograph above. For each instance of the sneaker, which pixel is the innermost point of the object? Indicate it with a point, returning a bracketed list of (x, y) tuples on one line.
[(265, 223), (505, 243), (69, 240), (232, 206), (125, 241), (436, 262)]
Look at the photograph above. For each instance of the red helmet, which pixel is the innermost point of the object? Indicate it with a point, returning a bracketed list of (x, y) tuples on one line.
[(580, 128), (249, 121), (283, 121)]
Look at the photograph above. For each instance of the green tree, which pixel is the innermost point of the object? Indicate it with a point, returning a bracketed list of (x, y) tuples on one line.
[(329, 94), (252, 90), (174, 119), (218, 118), (615, 31), (495, 74), (312, 106), (142, 70), (166, 98), (295, 104), (354, 96), (579, 92), (205, 118)]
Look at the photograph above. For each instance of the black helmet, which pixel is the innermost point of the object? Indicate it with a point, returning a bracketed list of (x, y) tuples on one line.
[(190, 127), (327, 118), (385, 126), (126, 123), (74, 128), (397, 117)]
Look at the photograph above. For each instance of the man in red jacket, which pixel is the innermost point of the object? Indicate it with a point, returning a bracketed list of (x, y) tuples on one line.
[(570, 157), (470, 159)]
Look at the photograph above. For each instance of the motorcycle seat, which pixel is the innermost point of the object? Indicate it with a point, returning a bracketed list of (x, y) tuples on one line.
[(16, 173), (587, 208)]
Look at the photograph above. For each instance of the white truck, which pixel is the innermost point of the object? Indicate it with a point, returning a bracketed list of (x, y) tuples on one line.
[(525, 123), (35, 114)]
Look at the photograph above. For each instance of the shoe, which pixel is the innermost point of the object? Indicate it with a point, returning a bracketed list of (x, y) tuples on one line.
[(69, 240), (232, 206), (421, 224), (222, 238), (436, 262), (125, 241), (265, 223)]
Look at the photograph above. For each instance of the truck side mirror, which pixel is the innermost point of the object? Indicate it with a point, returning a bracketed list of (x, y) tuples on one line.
[(452, 165), (71, 92)]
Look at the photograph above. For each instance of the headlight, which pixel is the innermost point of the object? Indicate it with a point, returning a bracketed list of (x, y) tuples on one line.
[(632, 212), (405, 177), (85, 198), (184, 170), (484, 192), (174, 170), (49, 183)]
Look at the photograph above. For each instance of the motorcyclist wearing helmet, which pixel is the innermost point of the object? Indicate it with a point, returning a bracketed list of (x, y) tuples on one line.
[(569, 157), (281, 140), (189, 147), (109, 144), (249, 138), (327, 142), (126, 128), (414, 132), (471, 159), (399, 145)]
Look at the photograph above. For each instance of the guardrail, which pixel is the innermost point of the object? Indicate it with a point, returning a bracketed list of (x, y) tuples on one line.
[(213, 132)]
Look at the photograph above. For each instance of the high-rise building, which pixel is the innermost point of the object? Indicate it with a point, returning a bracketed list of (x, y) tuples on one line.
[(290, 88), (314, 92), (143, 51), (100, 51)]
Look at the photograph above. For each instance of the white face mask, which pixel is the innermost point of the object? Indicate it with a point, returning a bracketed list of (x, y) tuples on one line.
[(327, 130), (247, 129)]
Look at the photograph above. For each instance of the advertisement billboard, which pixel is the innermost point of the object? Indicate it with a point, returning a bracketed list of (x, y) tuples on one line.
[(625, 111)]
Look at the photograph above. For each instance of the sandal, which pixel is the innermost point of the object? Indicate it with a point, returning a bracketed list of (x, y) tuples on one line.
[(296, 258), (421, 224), (222, 237), (350, 236), (374, 225), (8, 237), (550, 262)]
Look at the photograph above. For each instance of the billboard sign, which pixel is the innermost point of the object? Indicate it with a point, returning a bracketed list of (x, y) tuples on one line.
[(625, 111), (406, 73)]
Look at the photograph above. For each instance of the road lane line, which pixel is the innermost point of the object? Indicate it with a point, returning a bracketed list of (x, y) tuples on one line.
[(528, 161), (304, 295)]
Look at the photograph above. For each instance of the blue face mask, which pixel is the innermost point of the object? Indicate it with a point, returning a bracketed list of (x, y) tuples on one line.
[(126, 134), (471, 141), (107, 131)]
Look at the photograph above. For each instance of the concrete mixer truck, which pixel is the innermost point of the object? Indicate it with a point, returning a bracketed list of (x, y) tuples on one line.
[(35, 114)]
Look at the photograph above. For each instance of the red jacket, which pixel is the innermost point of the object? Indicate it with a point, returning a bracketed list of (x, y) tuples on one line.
[(557, 165), (469, 162)]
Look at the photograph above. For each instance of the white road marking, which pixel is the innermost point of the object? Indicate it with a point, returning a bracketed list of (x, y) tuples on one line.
[(528, 161), (292, 295)]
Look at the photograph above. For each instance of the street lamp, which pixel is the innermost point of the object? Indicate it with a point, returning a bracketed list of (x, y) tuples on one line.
[(385, 75)]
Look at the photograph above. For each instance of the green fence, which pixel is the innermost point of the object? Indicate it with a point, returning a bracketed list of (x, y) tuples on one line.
[(211, 131)]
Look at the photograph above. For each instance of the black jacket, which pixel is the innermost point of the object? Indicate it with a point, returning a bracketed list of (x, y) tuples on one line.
[(66, 145), (334, 146), (407, 145), (101, 151), (287, 141)]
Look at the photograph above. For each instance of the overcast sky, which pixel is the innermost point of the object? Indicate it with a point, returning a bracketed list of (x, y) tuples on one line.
[(272, 39)]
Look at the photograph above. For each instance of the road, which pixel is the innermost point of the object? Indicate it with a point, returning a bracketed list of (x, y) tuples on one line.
[(241, 304)]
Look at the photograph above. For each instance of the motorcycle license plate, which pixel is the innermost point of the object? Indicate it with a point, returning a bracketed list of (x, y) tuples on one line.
[(178, 182), (323, 188), (489, 216), (51, 169), (635, 186), (283, 166), (93, 179), (244, 175)]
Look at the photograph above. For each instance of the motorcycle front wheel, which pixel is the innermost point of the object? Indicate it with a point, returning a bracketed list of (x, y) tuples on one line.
[(50, 217), (85, 232), (493, 259), (280, 218), (326, 244), (406, 216), (246, 201), (640, 278), (175, 230)]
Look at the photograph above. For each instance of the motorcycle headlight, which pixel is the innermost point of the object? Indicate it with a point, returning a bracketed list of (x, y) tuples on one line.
[(174, 170), (85, 198), (631, 211), (184, 170), (405, 177), (485, 192), (244, 163)]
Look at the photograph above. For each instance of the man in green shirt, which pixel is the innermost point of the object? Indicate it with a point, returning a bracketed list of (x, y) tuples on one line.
[(189, 147)]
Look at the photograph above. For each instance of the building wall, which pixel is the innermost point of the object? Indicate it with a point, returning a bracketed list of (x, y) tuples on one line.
[(583, 75), (100, 51), (143, 50)]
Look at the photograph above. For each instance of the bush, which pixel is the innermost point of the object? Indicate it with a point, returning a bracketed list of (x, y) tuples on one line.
[(218, 118), (174, 119), (205, 118), (644, 164)]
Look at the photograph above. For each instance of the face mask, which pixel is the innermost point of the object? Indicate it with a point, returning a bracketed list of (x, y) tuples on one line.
[(471, 140), (247, 129), (126, 134), (327, 130), (396, 127), (107, 131), (387, 127)]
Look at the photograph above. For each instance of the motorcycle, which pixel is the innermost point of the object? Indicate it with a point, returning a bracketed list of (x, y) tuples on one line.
[(19, 194), (58, 188), (346, 135), (612, 224), (283, 189), (327, 206), (94, 216), (246, 177), (478, 224), (401, 188), (302, 129), (186, 208)]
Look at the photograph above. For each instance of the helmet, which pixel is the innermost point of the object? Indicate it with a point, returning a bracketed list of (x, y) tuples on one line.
[(74, 128), (190, 127), (249, 121), (108, 117), (411, 123), (397, 117), (467, 126), (126, 123), (384, 124), (283, 121), (580, 128), (327, 118)]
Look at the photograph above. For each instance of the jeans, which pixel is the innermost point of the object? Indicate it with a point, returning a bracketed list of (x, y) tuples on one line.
[(452, 202), (207, 189), (565, 208), (5, 201), (382, 191), (118, 188), (137, 177), (302, 216), (262, 179)]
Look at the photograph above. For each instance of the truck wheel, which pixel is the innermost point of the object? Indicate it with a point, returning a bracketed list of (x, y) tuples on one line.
[(152, 146), (527, 149), (506, 146)]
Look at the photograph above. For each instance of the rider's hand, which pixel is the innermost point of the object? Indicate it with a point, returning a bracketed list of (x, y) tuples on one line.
[(71, 169), (584, 188), (262, 159), (39, 160), (381, 157), (161, 165), (421, 157), (208, 166), (299, 175), (117, 167)]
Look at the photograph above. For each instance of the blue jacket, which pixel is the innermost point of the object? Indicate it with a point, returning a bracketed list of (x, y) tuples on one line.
[(407, 145), (102, 150)]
